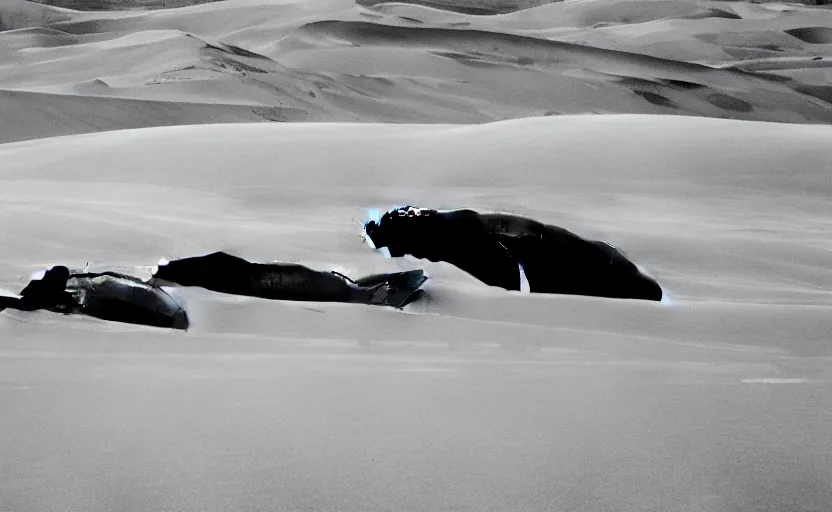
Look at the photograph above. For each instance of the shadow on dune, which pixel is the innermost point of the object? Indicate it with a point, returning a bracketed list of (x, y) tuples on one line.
[(597, 78), (120, 5), (496, 7), (409, 65), (812, 35)]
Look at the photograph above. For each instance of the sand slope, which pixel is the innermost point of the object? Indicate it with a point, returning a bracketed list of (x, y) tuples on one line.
[(332, 60), (473, 397), (777, 171), (257, 128), (82, 114)]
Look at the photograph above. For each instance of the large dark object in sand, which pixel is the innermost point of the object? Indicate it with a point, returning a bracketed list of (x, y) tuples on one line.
[(108, 296), (493, 247), (224, 273)]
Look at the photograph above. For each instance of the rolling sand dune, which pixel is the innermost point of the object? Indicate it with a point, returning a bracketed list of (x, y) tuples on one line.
[(20, 14), (549, 75), (718, 401), (646, 124), (333, 60), (70, 114)]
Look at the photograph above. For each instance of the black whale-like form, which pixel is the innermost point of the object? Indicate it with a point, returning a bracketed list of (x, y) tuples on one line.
[(107, 295), (225, 273), (493, 247)]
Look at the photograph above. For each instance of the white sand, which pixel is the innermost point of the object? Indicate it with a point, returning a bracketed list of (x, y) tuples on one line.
[(331, 60), (473, 398)]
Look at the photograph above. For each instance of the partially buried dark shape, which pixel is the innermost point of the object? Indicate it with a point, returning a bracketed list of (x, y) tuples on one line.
[(107, 295), (225, 273), (493, 248), (123, 298)]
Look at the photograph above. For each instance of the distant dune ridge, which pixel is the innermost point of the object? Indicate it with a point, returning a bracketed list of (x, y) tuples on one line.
[(334, 60), (481, 7)]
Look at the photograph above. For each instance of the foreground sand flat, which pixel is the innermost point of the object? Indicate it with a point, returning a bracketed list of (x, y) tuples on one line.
[(471, 398)]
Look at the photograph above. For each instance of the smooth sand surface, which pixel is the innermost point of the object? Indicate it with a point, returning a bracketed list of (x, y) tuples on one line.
[(694, 135), (333, 60), (473, 398)]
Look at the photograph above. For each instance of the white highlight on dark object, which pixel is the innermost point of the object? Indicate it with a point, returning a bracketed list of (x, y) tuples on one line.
[(368, 239), (666, 299), (8, 293), (525, 287), (161, 263), (373, 215)]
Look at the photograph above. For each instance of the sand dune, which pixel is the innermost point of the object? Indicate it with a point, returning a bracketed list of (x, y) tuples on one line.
[(52, 114), (19, 14), (549, 75), (738, 168), (268, 128), (720, 387), (332, 60), (812, 35)]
